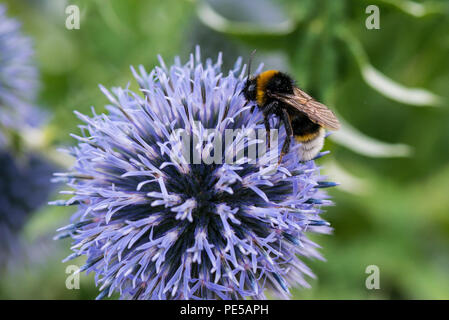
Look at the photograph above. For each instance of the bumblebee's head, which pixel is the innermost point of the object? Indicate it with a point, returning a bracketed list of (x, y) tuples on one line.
[(250, 89)]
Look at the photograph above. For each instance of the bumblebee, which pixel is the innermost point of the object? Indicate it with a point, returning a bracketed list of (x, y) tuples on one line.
[(304, 118)]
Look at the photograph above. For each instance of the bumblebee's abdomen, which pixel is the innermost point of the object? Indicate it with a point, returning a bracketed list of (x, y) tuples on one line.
[(310, 135), (304, 129)]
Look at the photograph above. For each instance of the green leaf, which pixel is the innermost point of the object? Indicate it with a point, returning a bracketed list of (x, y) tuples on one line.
[(360, 143), (395, 91), (417, 9), (383, 84), (214, 20)]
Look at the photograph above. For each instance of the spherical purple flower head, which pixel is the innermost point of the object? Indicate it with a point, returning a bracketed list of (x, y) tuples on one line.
[(153, 225), (24, 179), (18, 77)]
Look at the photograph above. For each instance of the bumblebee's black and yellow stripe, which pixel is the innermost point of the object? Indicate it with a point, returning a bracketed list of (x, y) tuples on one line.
[(303, 117)]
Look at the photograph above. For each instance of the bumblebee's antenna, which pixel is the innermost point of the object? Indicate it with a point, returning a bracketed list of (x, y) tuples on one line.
[(249, 63)]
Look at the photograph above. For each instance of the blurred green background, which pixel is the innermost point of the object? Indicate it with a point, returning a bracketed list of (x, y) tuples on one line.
[(392, 209)]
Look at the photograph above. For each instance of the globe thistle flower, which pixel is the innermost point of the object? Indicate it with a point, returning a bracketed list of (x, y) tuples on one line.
[(24, 175), (154, 224), (18, 78), (24, 187)]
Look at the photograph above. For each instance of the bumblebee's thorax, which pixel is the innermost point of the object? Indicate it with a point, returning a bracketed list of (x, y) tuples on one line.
[(262, 82), (272, 81)]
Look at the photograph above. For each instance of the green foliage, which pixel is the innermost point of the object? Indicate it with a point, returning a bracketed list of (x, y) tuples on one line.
[(401, 223)]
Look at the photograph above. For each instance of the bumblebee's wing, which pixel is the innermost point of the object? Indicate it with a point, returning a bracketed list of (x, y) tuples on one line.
[(317, 112)]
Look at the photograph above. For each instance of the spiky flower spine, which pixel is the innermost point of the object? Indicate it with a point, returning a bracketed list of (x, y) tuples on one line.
[(155, 226)]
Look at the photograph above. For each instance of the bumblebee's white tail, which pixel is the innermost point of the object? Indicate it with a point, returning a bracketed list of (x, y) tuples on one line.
[(310, 149)]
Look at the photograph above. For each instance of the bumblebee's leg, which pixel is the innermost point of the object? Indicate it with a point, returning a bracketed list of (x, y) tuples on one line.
[(268, 109), (266, 120), (266, 112), (288, 134)]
